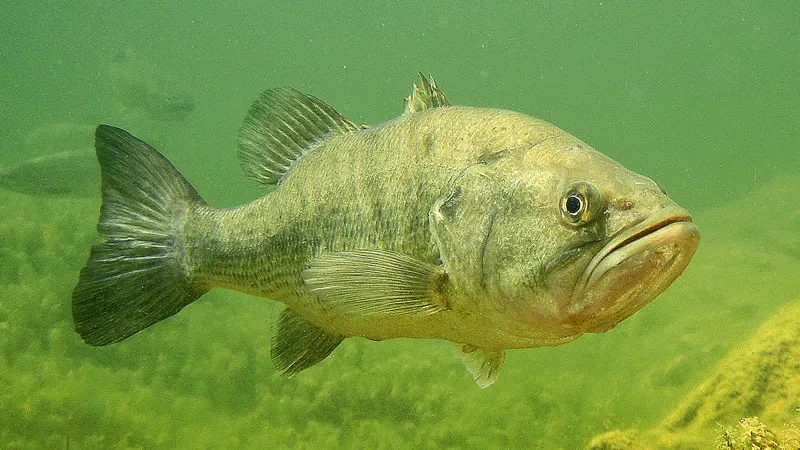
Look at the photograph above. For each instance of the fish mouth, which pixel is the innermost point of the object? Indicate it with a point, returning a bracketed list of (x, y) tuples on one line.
[(632, 268)]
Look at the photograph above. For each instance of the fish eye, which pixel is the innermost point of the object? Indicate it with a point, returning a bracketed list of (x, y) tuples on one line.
[(573, 204), (580, 203)]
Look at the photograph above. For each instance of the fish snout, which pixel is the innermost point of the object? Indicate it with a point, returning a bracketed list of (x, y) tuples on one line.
[(633, 268)]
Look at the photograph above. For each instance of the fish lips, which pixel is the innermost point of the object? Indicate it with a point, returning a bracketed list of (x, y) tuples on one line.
[(632, 269)]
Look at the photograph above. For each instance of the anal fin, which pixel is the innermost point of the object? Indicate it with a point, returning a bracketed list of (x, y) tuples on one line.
[(483, 364), (297, 344)]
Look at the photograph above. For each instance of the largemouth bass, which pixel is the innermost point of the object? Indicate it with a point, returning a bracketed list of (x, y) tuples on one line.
[(72, 173), (61, 162), (484, 227)]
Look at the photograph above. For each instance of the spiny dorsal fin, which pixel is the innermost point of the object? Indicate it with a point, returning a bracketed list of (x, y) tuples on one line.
[(425, 95), (280, 127)]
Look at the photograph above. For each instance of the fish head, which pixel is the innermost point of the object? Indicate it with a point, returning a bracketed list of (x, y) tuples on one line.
[(556, 240), (626, 241)]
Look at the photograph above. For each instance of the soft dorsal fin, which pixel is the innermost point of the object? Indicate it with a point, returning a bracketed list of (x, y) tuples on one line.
[(425, 95), (280, 127)]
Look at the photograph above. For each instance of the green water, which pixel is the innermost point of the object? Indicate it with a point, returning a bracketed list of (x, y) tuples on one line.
[(702, 98)]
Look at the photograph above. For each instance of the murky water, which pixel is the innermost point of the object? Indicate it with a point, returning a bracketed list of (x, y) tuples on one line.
[(702, 98)]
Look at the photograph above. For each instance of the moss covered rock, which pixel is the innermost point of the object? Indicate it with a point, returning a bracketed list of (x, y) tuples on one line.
[(761, 378)]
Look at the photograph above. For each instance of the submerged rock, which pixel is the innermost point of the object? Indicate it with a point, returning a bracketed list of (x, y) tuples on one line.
[(615, 440), (751, 434), (762, 378)]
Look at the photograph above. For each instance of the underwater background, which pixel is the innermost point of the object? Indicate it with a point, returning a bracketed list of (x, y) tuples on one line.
[(701, 96)]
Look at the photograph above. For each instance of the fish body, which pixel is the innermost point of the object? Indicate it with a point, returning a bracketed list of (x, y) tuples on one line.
[(484, 227)]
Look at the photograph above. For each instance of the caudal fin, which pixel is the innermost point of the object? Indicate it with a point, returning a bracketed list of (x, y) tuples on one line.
[(135, 277)]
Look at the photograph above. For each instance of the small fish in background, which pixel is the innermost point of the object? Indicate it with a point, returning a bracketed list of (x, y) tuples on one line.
[(63, 163), (484, 227), (73, 173), (139, 87), (58, 137)]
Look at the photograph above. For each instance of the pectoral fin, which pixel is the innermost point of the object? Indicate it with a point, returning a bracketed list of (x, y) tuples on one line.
[(375, 282), (484, 365), (297, 344)]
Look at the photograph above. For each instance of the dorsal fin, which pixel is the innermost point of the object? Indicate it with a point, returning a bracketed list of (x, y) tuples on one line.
[(425, 95), (280, 127)]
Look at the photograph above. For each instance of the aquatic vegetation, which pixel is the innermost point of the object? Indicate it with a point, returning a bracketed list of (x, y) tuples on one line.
[(615, 440), (751, 435)]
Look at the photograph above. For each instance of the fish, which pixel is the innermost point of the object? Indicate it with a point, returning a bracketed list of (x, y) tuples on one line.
[(60, 162), (139, 86), (71, 173), (484, 227), (59, 137)]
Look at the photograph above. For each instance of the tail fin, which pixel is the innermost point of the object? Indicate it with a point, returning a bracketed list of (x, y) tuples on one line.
[(135, 277)]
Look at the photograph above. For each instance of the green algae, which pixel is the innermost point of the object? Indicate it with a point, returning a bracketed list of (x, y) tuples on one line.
[(751, 434)]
